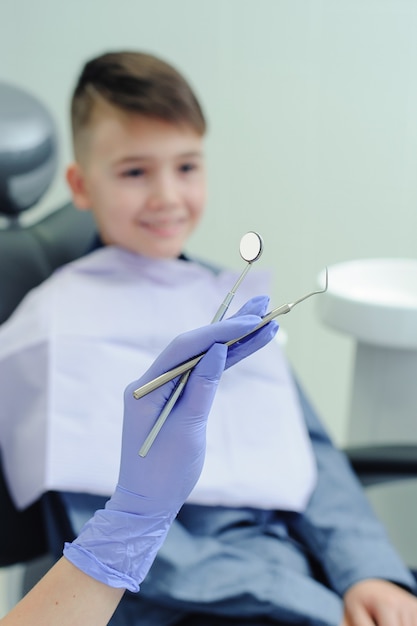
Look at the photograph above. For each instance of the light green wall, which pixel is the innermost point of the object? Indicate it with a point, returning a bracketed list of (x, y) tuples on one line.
[(313, 131)]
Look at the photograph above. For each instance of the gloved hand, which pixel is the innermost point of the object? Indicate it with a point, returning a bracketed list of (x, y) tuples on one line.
[(175, 465), (120, 543)]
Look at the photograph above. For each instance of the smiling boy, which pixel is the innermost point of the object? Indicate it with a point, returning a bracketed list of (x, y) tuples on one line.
[(277, 527), (142, 177)]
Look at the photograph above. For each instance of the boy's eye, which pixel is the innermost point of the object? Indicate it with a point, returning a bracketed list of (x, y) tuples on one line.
[(134, 172), (188, 167)]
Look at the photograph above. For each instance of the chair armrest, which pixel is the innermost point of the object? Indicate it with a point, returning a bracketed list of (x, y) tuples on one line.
[(383, 463)]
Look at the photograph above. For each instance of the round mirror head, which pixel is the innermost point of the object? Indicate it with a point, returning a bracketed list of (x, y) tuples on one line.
[(251, 246)]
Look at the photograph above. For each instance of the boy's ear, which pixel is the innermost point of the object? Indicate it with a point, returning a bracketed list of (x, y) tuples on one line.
[(77, 185)]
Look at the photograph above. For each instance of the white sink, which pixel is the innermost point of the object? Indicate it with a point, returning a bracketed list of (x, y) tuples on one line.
[(374, 300)]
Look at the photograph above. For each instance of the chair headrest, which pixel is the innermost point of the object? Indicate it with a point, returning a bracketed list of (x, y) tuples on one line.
[(28, 149)]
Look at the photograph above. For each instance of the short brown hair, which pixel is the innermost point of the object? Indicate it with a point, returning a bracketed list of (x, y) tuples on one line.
[(135, 82)]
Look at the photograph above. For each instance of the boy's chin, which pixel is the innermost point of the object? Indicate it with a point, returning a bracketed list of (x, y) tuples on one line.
[(159, 253)]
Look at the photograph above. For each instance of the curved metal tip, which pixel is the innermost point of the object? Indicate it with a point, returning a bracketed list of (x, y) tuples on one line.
[(326, 283), (313, 293)]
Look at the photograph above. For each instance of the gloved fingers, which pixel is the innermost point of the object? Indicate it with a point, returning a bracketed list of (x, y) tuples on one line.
[(251, 344), (194, 402), (198, 394), (194, 342), (255, 306), (212, 364)]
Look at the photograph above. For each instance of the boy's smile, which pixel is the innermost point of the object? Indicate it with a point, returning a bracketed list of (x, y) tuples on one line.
[(144, 180)]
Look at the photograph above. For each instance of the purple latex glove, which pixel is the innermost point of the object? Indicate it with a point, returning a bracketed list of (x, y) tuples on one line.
[(118, 545)]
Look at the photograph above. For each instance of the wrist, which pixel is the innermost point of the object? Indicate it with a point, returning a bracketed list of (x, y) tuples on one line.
[(118, 548), (131, 502)]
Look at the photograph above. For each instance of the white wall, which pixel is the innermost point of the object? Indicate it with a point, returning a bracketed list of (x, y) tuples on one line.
[(313, 131)]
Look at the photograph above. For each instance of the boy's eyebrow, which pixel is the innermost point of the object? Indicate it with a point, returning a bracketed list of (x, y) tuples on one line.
[(192, 153), (149, 157)]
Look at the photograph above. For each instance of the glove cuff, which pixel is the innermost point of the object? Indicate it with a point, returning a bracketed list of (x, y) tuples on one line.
[(118, 548)]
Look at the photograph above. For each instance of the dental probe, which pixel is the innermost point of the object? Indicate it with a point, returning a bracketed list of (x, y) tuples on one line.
[(188, 365)]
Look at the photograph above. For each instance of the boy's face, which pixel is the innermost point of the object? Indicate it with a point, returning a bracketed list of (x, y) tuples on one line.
[(143, 179)]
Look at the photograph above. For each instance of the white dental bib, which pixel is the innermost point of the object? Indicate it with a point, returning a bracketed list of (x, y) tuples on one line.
[(97, 324)]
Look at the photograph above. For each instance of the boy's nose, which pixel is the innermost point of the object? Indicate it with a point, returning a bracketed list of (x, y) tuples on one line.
[(164, 193)]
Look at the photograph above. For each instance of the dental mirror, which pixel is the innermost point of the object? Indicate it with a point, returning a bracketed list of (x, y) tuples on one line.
[(251, 246)]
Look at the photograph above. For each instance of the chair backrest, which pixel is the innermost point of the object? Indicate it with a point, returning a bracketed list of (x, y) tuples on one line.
[(29, 254), (30, 250)]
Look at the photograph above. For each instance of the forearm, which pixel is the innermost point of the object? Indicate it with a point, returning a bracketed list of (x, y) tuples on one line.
[(65, 596)]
